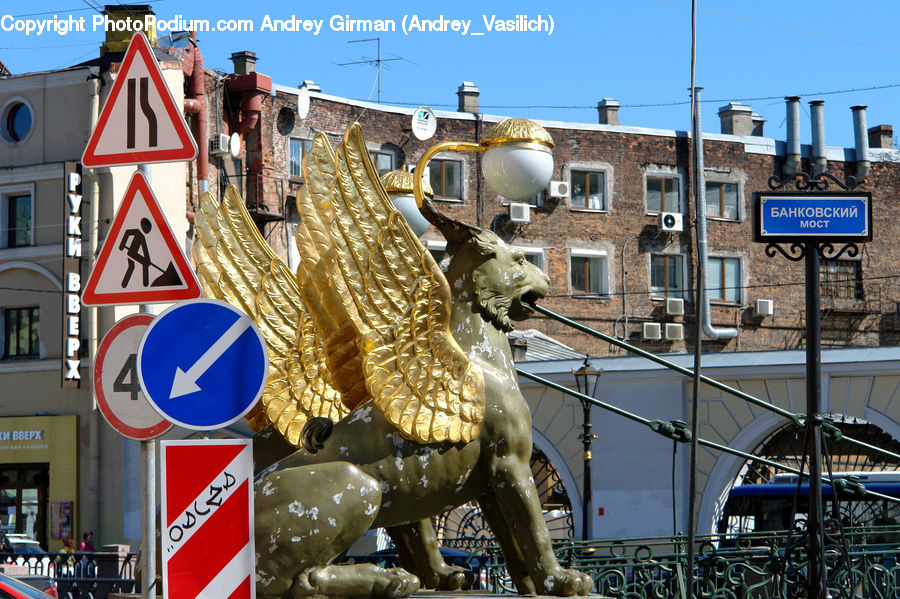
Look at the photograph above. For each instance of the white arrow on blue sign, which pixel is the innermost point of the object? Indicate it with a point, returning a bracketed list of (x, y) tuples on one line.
[(202, 364)]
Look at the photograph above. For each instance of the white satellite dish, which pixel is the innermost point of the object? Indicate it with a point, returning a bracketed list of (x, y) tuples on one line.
[(303, 102), (424, 123), (234, 145)]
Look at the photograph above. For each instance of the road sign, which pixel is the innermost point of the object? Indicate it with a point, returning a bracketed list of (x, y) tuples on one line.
[(207, 507), (119, 394), (790, 217), (203, 364), (140, 261), (140, 122)]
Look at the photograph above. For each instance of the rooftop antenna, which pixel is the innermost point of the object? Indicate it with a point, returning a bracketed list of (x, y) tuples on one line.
[(376, 62)]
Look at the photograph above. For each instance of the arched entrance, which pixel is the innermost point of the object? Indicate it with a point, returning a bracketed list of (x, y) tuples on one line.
[(786, 446), (464, 527)]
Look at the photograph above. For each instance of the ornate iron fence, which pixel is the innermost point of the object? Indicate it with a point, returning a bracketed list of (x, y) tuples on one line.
[(860, 563), (80, 575)]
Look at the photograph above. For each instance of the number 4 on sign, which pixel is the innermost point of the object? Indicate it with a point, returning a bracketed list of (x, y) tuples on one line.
[(129, 371), (117, 384)]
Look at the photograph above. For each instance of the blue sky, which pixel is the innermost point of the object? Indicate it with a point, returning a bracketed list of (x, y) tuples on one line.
[(635, 51)]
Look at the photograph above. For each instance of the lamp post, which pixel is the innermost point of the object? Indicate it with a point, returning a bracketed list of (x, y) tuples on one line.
[(586, 378)]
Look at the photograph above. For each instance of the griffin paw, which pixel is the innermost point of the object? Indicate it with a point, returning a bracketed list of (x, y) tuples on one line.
[(567, 583)]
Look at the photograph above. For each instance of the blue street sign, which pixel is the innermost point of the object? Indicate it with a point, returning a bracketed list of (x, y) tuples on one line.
[(202, 364), (835, 216)]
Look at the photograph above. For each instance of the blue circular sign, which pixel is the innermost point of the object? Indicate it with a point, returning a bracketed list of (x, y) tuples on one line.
[(202, 364)]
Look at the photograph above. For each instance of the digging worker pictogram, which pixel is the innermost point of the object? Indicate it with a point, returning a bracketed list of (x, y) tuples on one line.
[(134, 242)]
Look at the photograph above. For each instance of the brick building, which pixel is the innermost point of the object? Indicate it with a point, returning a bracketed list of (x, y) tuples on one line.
[(596, 230)]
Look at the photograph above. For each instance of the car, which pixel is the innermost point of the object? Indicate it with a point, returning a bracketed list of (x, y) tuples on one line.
[(24, 545), (12, 587)]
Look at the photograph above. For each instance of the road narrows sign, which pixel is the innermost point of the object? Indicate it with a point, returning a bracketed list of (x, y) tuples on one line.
[(119, 394), (140, 122), (207, 514), (203, 364), (140, 261)]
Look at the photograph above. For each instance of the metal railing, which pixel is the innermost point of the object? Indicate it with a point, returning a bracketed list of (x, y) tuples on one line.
[(860, 563), (80, 575)]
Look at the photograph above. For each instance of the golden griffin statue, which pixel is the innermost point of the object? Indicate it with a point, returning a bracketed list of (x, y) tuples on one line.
[(391, 381)]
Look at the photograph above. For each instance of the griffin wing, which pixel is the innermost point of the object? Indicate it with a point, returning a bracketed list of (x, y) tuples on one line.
[(235, 264), (381, 302)]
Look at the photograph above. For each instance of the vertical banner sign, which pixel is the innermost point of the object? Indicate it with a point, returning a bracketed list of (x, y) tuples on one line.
[(71, 325), (207, 514)]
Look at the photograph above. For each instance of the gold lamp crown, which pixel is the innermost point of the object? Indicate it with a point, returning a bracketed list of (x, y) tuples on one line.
[(402, 181), (517, 131)]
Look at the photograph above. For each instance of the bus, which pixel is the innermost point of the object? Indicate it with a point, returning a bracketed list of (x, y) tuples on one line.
[(770, 506)]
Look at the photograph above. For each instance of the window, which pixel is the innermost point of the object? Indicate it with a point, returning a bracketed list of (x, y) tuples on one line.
[(841, 279), (588, 190), (384, 162), (663, 194), (21, 327), (722, 200), (535, 200), (723, 278), (16, 219), (16, 122), (299, 148), (588, 273), (445, 177), (667, 274)]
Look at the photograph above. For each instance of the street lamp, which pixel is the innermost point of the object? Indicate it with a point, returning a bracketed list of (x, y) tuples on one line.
[(399, 186), (517, 159), (586, 378)]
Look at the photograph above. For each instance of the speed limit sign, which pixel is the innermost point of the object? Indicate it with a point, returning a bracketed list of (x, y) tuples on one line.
[(119, 394)]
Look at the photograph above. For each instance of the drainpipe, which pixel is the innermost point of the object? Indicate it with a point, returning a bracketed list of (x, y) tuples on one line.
[(817, 115), (792, 155), (195, 103), (861, 133), (702, 249)]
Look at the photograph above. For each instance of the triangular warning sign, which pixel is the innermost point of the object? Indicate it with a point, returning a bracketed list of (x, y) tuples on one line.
[(140, 261), (140, 122)]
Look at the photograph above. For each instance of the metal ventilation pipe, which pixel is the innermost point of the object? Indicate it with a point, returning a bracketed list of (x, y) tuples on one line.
[(861, 135), (702, 249), (817, 115), (792, 153)]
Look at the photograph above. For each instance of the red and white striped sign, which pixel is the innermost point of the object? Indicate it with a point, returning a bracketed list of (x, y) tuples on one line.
[(207, 511)]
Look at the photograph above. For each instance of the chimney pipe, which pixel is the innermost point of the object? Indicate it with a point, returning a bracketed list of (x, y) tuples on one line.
[(244, 62), (608, 111), (468, 94), (792, 153), (736, 119), (881, 136), (817, 116), (861, 136)]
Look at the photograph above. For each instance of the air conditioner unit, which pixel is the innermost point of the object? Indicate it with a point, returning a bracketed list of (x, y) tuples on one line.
[(674, 332), (764, 307), (651, 330), (218, 144), (670, 222), (519, 213), (674, 306), (558, 189)]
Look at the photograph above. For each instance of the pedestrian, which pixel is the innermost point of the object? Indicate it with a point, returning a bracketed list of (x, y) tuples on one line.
[(67, 547), (87, 542)]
